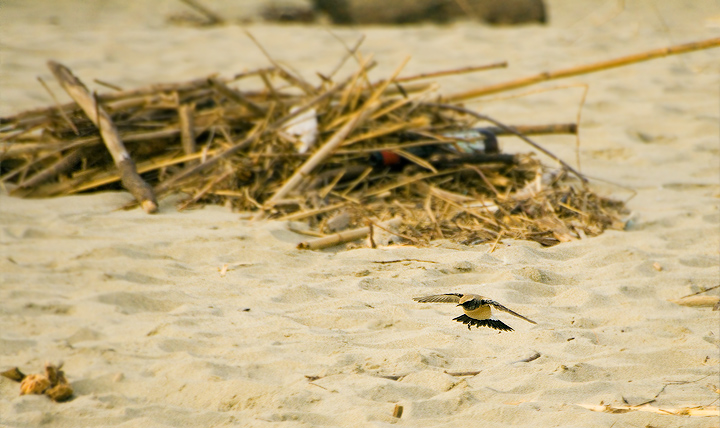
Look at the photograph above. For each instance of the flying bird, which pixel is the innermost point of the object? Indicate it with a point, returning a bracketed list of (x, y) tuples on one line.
[(478, 309)]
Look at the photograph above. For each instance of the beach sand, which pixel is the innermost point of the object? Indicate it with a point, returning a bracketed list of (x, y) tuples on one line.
[(151, 333)]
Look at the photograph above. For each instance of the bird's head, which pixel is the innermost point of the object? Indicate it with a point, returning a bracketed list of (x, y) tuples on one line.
[(469, 303)]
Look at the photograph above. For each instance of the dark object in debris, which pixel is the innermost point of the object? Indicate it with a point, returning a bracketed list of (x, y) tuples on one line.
[(500, 12), (222, 145)]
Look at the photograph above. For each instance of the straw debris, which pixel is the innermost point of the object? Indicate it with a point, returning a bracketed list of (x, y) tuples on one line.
[(371, 153)]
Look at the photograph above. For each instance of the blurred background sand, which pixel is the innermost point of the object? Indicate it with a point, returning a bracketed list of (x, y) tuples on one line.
[(151, 334)]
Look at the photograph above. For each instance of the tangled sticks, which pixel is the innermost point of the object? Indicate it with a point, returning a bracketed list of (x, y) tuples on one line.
[(220, 145)]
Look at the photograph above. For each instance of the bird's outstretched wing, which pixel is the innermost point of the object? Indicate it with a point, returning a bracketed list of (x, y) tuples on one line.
[(440, 298), (500, 307), (489, 322)]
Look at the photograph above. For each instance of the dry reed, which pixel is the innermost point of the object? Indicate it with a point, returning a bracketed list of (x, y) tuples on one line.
[(383, 151)]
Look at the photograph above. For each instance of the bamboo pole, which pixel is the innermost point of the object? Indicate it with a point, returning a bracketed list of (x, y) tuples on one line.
[(453, 72), (343, 237), (142, 192), (584, 69)]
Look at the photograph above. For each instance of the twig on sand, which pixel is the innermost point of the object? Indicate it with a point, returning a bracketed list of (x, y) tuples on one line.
[(698, 301), (702, 291), (467, 373), (535, 355), (697, 411)]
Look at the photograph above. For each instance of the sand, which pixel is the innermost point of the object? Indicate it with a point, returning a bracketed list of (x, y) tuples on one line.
[(152, 334)]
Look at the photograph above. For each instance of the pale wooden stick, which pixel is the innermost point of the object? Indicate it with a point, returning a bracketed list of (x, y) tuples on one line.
[(699, 411), (453, 72), (343, 237), (584, 69), (697, 301), (129, 176)]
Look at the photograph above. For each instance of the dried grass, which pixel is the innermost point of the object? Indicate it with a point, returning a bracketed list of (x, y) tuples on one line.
[(222, 145)]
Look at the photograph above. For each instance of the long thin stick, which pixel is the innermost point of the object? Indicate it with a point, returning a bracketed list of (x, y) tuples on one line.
[(350, 52), (295, 80), (142, 191), (213, 17), (57, 168), (453, 72), (59, 106), (584, 69)]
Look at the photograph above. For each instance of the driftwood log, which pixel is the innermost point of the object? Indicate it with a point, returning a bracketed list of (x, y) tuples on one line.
[(97, 114)]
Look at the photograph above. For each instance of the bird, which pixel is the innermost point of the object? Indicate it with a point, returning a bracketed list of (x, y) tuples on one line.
[(478, 309)]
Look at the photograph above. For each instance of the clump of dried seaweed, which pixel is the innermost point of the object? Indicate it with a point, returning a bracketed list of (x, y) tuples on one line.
[(382, 150), (52, 383)]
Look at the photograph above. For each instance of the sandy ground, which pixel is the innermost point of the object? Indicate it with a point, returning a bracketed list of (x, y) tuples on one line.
[(152, 335)]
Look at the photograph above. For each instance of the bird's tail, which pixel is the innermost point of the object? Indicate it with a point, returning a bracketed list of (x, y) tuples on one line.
[(496, 324)]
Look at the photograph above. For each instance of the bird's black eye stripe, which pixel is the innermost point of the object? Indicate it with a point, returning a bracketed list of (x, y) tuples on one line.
[(471, 305)]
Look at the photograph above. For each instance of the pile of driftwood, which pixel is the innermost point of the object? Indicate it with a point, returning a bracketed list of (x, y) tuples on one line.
[(345, 154)]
